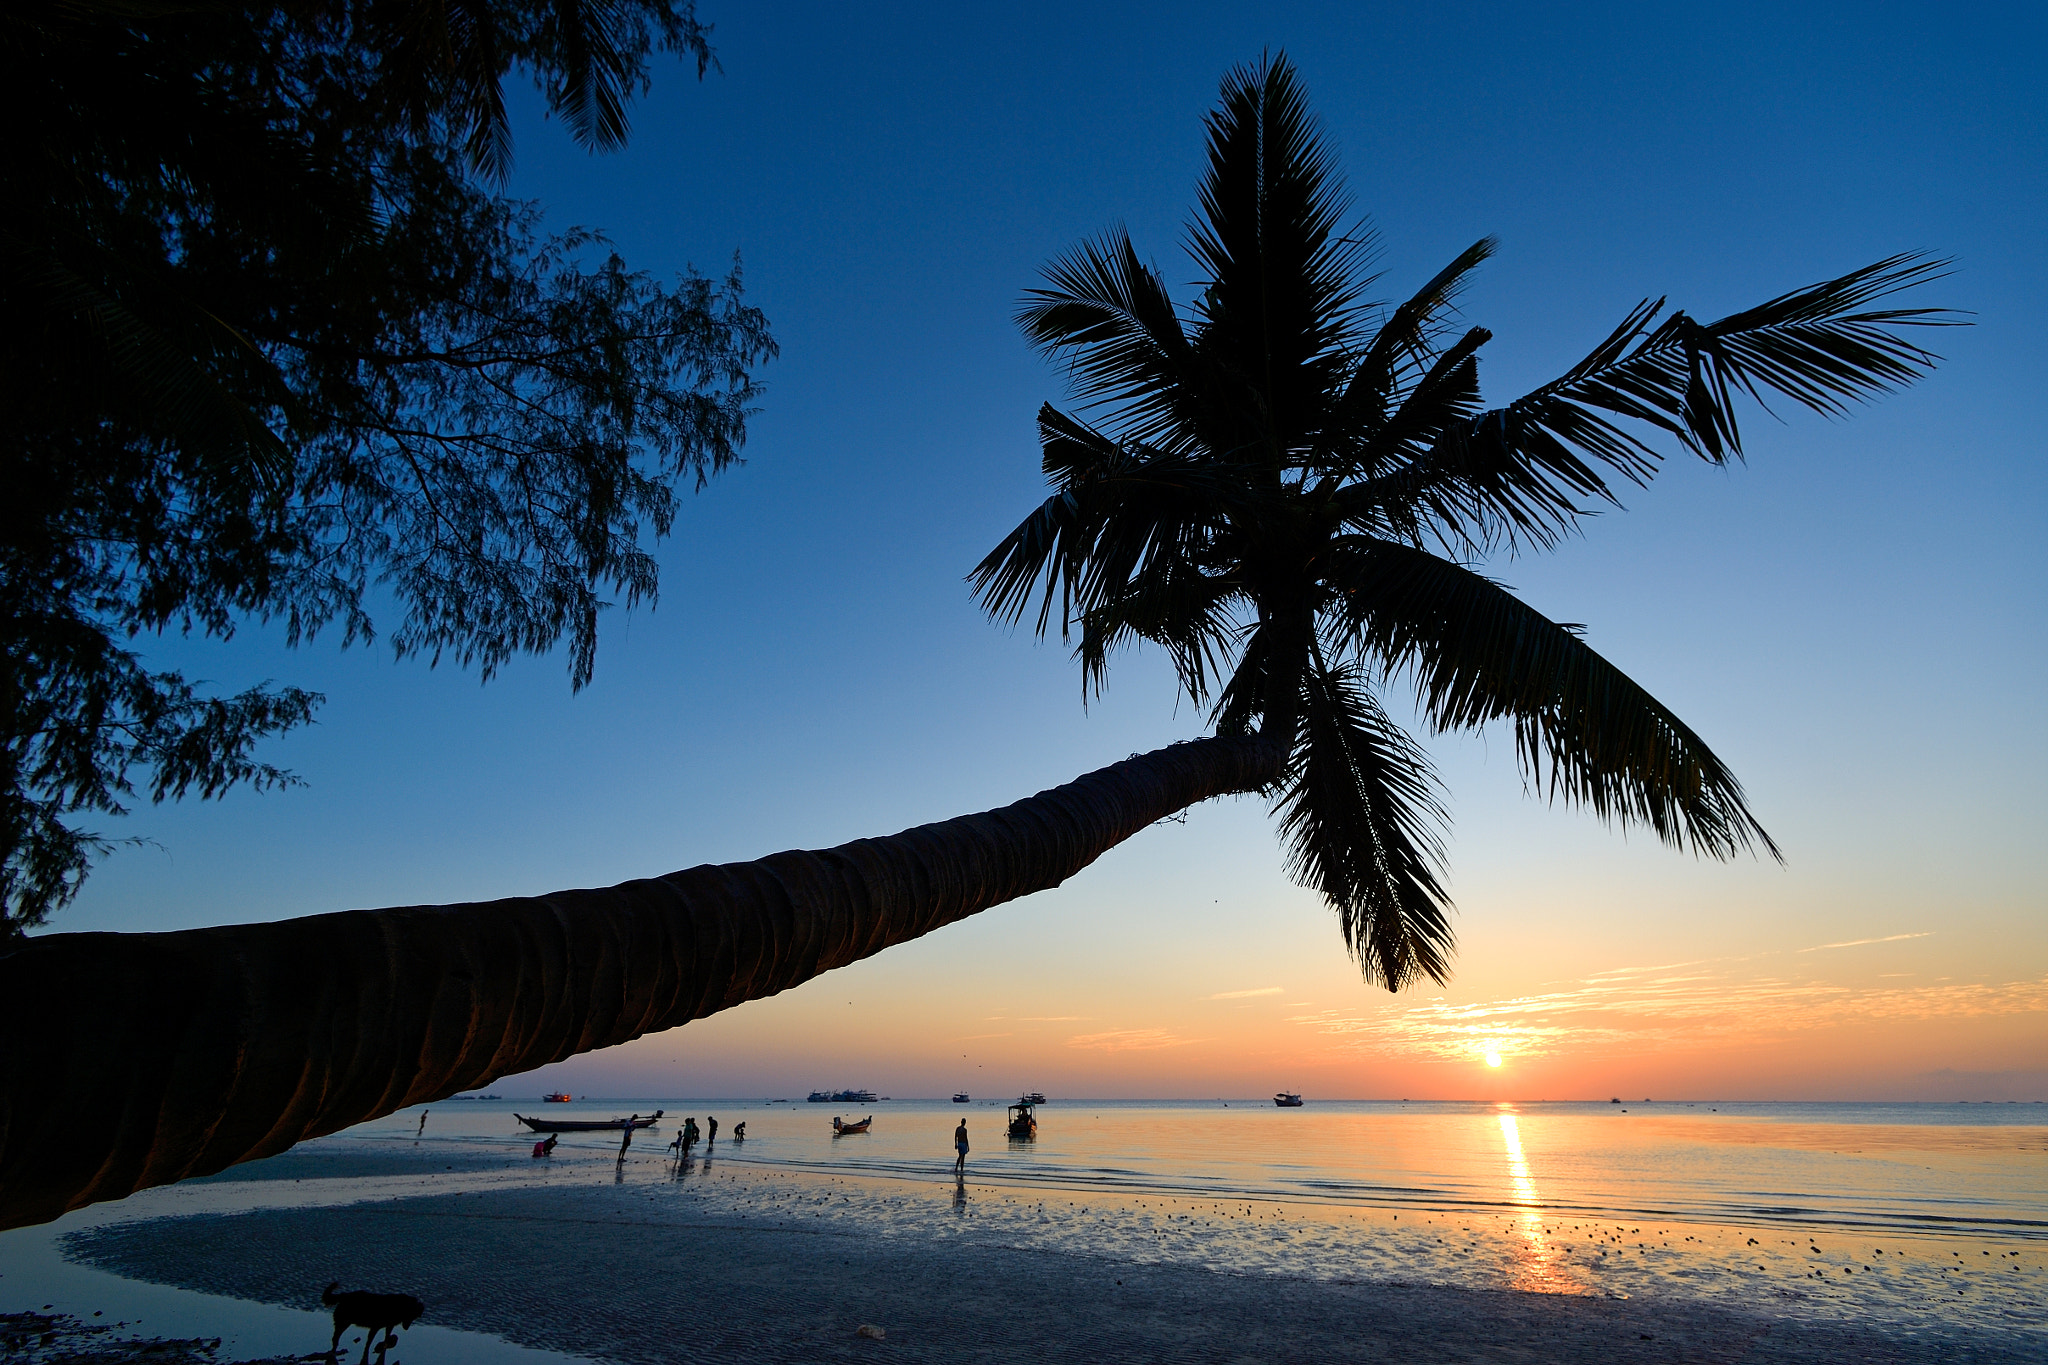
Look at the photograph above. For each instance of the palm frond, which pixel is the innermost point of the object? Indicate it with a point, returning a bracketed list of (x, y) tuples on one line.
[(1174, 605), (449, 56), (1521, 473), (1119, 512), (1585, 733), (1447, 394), (1360, 812), (1809, 345), (599, 65), (476, 59), (1110, 317), (1285, 279), (1241, 704), (1405, 340)]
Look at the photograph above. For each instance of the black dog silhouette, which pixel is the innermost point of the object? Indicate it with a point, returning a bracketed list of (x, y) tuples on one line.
[(373, 1312)]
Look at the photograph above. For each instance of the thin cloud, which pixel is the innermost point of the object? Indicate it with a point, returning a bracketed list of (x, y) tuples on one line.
[(1051, 1018), (976, 1037), (1859, 942), (1243, 995), (1644, 1007), (1131, 1040)]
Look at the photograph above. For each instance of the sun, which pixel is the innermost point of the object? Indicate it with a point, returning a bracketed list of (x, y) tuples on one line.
[(1493, 1059)]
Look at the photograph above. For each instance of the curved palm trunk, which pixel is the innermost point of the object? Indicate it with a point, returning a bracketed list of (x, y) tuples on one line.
[(139, 1059)]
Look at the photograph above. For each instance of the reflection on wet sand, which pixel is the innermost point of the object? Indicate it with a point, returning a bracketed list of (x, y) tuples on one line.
[(1539, 1264)]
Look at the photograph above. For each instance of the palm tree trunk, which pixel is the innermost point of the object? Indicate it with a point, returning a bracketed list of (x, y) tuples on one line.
[(134, 1060)]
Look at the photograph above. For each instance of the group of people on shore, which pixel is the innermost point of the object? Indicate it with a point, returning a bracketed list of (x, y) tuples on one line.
[(688, 1136)]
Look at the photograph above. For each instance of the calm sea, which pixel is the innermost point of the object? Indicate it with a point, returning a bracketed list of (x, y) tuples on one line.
[(1964, 1169), (1927, 1218)]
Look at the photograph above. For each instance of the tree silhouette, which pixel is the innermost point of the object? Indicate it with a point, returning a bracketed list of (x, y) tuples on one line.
[(274, 355), (1290, 486)]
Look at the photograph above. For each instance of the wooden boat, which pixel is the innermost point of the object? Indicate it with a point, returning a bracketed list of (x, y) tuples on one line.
[(556, 1097), (842, 1129), (1287, 1099), (1023, 1125), (587, 1125)]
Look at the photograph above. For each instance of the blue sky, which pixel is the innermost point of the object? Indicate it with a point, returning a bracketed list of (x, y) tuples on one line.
[(1855, 619)]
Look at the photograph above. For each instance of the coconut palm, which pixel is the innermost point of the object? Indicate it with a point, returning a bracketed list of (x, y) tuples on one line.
[(1289, 486), (1285, 490)]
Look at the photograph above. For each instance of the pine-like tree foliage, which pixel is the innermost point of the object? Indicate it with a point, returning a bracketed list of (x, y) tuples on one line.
[(275, 352), (1287, 487)]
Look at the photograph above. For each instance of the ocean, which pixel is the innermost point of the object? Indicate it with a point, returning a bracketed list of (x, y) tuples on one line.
[(1921, 1218)]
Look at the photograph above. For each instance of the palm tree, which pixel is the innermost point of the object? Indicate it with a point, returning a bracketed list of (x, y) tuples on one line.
[(1279, 460), (1262, 501)]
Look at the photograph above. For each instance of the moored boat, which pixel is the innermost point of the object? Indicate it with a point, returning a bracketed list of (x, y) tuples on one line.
[(1023, 1124), (1035, 1097), (842, 1129), (588, 1125), (556, 1097), (1287, 1099), (961, 1098)]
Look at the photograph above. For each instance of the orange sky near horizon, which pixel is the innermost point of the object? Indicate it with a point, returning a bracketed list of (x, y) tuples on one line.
[(1253, 993)]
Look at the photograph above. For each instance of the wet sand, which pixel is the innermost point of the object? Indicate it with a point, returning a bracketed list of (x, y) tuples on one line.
[(632, 1274)]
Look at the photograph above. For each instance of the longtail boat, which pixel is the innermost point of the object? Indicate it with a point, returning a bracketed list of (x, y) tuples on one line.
[(587, 1125), (842, 1129), (1023, 1124)]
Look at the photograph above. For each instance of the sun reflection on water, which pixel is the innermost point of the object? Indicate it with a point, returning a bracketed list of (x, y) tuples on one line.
[(1539, 1264)]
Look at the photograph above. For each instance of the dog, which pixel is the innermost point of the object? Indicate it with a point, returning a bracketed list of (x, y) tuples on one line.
[(373, 1312)]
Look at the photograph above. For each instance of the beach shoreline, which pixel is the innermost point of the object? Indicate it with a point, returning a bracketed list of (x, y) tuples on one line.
[(619, 1273), (1122, 1235)]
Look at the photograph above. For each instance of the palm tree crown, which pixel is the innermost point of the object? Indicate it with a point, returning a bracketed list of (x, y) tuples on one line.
[(1291, 484)]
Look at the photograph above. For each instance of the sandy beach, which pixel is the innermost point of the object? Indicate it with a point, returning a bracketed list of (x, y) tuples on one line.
[(758, 1265), (560, 1270)]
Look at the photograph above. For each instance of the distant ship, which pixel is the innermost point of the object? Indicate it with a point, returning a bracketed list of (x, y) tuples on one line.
[(1036, 1097), (557, 1097), (961, 1098), (842, 1097), (1287, 1099)]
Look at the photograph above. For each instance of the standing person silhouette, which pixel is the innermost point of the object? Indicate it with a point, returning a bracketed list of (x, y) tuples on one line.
[(960, 1147), (711, 1126)]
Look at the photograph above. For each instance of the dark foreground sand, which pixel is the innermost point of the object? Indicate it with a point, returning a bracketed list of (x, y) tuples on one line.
[(559, 1270)]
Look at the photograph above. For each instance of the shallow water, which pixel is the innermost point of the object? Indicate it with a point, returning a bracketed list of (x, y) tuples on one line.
[(1923, 1218), (1965, 1169), (1920, 1219)]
